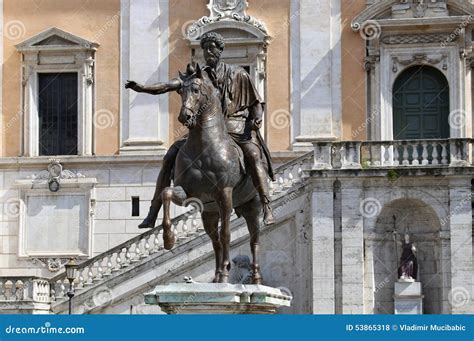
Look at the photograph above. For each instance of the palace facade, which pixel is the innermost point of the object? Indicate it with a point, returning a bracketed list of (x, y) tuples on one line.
[(368, 116)]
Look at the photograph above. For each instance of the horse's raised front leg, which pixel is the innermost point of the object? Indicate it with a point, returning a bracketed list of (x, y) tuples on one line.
[(225, 209), (178, 196), (210, 221)]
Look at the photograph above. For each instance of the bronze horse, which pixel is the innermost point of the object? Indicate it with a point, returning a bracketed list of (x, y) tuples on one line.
[(207, 169)]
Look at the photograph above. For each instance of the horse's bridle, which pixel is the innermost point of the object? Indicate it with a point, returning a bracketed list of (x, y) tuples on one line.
[(189, 83)]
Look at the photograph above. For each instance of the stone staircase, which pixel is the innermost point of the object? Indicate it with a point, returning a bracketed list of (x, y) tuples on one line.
[(114, 281)]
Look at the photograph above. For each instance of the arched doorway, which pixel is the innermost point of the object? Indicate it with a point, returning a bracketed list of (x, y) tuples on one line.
[(420, 104)]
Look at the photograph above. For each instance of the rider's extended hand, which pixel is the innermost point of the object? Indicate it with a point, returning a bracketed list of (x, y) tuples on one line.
[(133, 85)]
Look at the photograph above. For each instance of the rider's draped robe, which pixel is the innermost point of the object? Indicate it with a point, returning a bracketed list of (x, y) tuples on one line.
[(238, 94), (408, 262)]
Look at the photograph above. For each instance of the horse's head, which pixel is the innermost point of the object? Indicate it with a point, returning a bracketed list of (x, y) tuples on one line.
[(197, 93)]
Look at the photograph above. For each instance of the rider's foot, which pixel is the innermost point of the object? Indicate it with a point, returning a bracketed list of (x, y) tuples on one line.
[(268, 217), (150, 220)]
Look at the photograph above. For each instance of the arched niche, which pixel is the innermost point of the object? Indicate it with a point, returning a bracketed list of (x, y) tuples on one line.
[(423, 225)]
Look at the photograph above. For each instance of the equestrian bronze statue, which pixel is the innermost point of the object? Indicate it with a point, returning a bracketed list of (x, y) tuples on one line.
[(223, 112)]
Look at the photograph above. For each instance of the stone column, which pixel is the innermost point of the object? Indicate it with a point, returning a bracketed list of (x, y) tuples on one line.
[(322, 205), (461, 294), (316, 71), (352, 247), (144, 53)]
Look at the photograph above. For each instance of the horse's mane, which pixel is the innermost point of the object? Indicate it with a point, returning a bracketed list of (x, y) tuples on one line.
[(192, 71)]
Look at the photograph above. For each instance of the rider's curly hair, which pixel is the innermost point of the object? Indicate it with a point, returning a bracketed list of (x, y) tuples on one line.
[(214, 37)]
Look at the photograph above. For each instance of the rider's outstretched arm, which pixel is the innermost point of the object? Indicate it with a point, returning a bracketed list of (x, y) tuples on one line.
[(157, 89)]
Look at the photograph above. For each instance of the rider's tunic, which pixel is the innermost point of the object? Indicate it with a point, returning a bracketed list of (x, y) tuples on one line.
[(238, 95)]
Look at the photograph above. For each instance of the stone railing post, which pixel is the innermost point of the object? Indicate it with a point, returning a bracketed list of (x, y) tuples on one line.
[(24, 295), (350, 154), (41, 291), (322, 154), (460, 152)]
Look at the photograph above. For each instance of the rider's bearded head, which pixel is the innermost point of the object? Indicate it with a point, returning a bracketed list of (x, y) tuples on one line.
[(212, 44)]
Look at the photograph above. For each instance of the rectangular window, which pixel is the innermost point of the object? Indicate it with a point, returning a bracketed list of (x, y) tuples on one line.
[(57, 113), (135, 206)]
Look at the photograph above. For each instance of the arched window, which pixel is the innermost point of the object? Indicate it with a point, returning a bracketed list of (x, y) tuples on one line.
[(420, 104)]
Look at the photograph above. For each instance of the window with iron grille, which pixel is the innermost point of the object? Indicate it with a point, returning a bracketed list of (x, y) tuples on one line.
[(57, 113)]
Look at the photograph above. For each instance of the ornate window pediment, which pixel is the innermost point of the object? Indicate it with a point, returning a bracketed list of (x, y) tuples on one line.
[(229, 15), (55, 38), (413, 9)]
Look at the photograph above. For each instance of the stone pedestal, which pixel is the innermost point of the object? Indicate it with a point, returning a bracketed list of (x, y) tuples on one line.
[(217, 298), (408, 298)]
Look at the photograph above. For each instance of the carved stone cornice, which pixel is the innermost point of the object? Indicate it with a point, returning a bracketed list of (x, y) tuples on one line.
[(54, 177), (225, 10), (56, 171), (400, 39), (421, 58), (382, 10), (376, 10), (420, 9), (53, 264)]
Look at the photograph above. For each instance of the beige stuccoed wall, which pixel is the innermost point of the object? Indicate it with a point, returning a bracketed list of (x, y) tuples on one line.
[(353, 74), (93, 20), (274, 14), (181, 14)]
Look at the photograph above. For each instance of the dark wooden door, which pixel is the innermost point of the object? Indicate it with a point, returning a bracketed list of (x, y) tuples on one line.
[(58, 113), (420, 104)]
